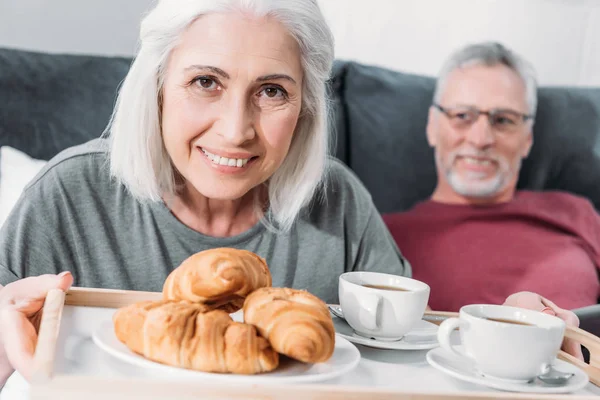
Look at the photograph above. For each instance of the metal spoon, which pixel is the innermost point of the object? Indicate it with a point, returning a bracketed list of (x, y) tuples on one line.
[(555, 377), (336, 310)]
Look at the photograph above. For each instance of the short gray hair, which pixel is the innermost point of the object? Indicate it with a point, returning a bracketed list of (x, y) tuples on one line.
[(139, 159), (490, 54)]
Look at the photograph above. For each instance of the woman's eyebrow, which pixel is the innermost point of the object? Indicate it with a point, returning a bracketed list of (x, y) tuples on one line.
[(220, 72), (273, 77), (210, 68)]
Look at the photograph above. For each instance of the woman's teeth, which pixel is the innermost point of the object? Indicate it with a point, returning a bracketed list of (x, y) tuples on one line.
[(232, 162)]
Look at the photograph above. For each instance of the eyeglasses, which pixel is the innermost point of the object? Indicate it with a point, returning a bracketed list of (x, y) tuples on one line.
[(502, 120)]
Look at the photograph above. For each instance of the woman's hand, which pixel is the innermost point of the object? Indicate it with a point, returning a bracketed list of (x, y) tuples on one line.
[(534, 301), (20, 306)]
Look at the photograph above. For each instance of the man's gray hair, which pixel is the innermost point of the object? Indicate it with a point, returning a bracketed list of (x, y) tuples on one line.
[(138, 158), (490, 54)]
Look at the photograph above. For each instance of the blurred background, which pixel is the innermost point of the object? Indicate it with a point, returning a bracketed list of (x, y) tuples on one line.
[(560, 37)]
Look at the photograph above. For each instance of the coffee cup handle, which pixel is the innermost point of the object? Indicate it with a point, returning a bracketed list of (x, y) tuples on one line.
[(371, 303), (444, 333)]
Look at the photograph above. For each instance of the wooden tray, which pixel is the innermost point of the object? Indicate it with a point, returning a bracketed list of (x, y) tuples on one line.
[(48, 385)]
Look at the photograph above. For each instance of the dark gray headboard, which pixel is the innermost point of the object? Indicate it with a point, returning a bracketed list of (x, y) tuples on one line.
[(50, 102)]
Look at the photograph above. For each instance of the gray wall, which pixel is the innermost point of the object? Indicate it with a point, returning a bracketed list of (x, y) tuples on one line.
[(72, 26)]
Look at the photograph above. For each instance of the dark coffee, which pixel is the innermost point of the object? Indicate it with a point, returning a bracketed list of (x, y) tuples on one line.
[(509, 321), (386, 287)]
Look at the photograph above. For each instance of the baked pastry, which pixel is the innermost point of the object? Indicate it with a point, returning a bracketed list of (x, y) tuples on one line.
[(220, 278), (296, 323), (182, 335)]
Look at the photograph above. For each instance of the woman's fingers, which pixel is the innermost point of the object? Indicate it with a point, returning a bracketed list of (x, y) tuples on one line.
[(28, 295), (19, 337), (20, 305)]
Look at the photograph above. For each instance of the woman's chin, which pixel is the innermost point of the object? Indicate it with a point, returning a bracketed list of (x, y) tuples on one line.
[(224, 193)]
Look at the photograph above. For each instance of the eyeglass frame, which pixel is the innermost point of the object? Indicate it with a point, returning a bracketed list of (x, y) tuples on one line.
[(489, 114)]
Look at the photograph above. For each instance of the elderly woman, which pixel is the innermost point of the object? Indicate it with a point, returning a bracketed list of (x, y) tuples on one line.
[(218, 139)]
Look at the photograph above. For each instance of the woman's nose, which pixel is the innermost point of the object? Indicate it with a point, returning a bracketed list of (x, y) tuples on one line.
[(237, 123)]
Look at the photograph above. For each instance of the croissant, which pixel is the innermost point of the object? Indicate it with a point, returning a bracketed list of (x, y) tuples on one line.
[(296, 323), (182, 335), (219, 278)]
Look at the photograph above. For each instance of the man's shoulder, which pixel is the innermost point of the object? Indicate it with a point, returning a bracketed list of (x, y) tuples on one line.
[(424, 208), (554, 199)]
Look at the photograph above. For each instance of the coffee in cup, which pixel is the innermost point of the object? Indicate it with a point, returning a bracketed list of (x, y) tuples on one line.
[(382, 306), (386, 287), (505, 342)]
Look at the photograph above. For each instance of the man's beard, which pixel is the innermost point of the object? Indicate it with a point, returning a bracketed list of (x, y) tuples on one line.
[(474, 184)]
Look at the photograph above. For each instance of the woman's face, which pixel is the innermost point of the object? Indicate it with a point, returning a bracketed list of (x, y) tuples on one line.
[(231, 100)]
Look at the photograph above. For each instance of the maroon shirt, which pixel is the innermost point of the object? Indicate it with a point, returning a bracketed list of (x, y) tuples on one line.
[(548, 243)]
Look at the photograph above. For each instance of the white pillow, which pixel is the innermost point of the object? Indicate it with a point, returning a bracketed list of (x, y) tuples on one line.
[(17, 169)]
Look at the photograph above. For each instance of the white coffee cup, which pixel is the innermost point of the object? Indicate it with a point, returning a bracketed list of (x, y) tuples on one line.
[(380, 313), (505, 350)]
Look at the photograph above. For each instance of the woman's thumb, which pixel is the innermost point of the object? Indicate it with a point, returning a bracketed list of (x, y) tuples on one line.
[(27, 295), (65, 280), (37, 287)]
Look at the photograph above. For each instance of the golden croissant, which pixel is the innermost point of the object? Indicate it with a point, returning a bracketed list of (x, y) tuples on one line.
[(219, 278), (182, 335), (295, 322)]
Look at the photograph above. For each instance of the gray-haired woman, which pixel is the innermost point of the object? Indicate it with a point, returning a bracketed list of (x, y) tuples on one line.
[(219, 138)]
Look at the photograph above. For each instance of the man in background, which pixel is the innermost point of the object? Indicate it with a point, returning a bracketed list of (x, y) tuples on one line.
[(478, 239)]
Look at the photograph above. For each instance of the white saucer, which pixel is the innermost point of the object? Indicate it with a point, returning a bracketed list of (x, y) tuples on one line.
[(464, 370), (422, 337)]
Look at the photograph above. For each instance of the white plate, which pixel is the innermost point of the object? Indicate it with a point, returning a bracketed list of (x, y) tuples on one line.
[(464, 370), (422, 337), (345, 358)]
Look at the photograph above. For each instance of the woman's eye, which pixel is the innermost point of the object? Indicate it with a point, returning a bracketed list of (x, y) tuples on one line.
[(273, 92), (207, 83)]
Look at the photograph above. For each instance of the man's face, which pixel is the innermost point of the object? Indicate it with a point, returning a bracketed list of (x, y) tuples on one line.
[(477, 160)]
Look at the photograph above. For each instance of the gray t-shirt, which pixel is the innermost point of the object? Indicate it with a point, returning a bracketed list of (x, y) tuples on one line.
[(74, 217)]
